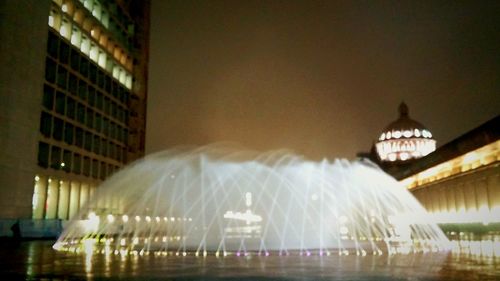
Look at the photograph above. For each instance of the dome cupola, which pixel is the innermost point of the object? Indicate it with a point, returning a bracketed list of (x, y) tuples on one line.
[(404, 139)]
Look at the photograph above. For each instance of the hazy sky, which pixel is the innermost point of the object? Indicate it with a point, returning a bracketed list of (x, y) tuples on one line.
[(322, 78)]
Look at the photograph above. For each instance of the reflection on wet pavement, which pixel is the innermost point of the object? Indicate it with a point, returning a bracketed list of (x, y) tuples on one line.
[(36, 260)]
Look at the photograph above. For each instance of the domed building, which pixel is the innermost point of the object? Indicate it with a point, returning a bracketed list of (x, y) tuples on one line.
[(404, 139)]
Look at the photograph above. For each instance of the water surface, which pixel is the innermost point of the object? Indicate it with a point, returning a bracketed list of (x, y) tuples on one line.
[(36, 260)]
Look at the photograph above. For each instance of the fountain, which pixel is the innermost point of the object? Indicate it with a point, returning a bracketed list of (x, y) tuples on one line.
[(223, 201)]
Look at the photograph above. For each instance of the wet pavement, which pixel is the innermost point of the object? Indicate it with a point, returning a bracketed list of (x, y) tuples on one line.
[(36, 260)]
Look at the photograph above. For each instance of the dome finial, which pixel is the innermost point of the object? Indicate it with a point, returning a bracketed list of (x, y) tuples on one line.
[(403, 110)]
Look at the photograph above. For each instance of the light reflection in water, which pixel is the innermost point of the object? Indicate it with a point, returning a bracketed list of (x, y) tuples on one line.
[(483, 248), (88, 246), (469, 260)]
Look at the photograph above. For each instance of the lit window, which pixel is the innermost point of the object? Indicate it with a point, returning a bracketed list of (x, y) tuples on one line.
[(116, 71), (102, 59), (89, 4), (128, 82), (403, 156), (96, 12), (94, 53), (105, 19), (382, 137), (123, 76), (54, 19), (65, 29), (85, 47), (76, 37)]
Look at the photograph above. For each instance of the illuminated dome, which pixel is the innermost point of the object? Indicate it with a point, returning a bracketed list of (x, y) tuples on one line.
[(404, 139)]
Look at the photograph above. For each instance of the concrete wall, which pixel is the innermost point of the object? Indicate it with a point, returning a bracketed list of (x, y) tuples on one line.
[(23, 35)]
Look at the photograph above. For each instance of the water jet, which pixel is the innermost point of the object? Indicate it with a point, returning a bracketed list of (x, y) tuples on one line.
[(223, 201)]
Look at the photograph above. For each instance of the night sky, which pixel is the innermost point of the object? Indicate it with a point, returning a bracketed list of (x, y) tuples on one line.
[(321, 78)]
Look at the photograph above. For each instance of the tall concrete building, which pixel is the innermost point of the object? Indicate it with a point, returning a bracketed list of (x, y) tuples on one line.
[(73, 86)]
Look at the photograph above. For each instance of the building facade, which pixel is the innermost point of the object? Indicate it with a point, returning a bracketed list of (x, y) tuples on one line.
[(74, 90), (459, 184)]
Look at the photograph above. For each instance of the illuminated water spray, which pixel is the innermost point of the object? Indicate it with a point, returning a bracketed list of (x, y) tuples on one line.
[(220, 201)]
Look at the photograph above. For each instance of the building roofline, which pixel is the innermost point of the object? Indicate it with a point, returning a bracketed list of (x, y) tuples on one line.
[(478, 137)]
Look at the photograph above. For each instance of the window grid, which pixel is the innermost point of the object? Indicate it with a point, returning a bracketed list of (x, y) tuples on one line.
[(84, 115)]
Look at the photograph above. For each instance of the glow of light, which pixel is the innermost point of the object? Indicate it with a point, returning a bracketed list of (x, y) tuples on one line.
[(92, 223), (111, 218), (64, 8), (50, 180), (165, 219), (403, 156), (88, 246), (248, 199), (470, 157), (148, 218), (122, 242), (483, 215), (137, 218), (63, 31), (125, 218), (58, 246), (157, 219), (417, 133), (390, 149), (172, 219), (51, 21), (37, 178), (248, 216), (89, 250), (34, 201), (343, 230), (342, 219)]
